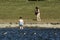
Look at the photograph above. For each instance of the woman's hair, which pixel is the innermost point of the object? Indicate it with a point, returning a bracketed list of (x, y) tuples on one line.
[(36, 7)]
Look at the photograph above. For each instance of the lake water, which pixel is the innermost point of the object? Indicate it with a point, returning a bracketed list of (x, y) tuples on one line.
[(29, 34)]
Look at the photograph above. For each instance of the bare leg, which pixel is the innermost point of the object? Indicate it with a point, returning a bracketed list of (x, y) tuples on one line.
[(21, 27)]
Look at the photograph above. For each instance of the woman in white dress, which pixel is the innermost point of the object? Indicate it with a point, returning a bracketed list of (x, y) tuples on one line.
[(37, 13)]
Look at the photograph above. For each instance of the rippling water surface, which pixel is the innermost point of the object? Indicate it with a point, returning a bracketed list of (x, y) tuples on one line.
[(29, 34)]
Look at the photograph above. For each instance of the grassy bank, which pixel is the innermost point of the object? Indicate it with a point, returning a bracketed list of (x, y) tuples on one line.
[(11, 10)]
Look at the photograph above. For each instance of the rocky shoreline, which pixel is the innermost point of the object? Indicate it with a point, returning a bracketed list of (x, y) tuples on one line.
[(41, 25)]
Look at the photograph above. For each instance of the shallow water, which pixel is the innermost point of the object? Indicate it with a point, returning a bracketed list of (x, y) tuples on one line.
[(29, 34)]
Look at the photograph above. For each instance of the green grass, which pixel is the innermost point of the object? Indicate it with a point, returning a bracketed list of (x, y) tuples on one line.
[(13, 9)]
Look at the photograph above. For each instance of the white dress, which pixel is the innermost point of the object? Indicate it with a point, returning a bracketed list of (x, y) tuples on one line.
[(38, 16)]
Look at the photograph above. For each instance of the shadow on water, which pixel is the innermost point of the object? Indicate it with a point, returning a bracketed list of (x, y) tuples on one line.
[(29, 34)]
